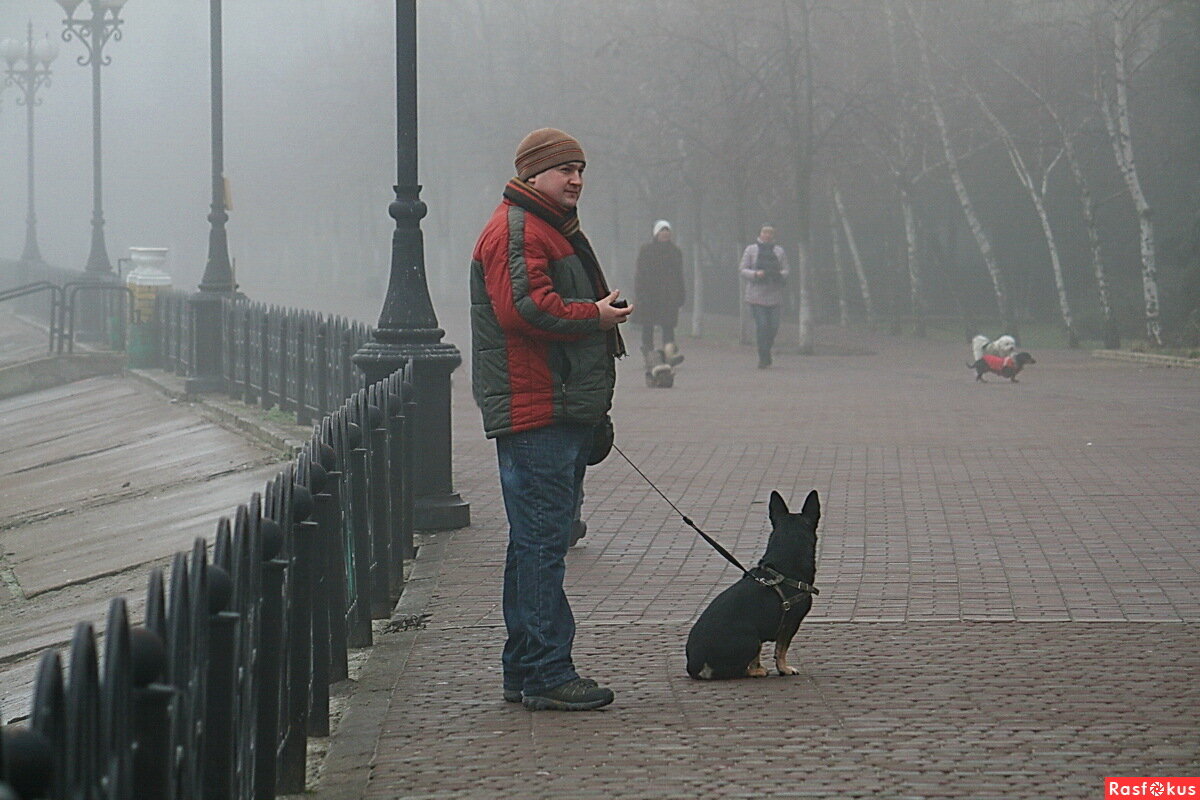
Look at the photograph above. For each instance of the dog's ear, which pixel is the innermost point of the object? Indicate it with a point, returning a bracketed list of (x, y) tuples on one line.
[(812, 506), (777, 508)]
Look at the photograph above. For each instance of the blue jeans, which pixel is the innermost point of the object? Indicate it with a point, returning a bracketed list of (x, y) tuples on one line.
[(541, 476), (766, 325)]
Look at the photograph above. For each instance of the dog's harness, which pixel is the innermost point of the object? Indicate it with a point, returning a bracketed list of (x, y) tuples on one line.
[(773, 578)]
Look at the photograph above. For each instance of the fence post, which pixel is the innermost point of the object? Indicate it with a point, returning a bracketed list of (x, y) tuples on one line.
[(293, 750), (116, 687), (371, 418), (150, 717), (269, 666), (26, 763), (49, 718), (322, 365), (312, 474), (328, 510), (358, 542), (220, 732), (83, 715)]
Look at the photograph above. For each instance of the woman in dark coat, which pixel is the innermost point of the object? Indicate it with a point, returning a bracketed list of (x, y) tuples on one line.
[(658, 291)]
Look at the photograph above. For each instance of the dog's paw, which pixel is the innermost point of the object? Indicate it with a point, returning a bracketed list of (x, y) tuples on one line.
[(756, 671), (786, 670)]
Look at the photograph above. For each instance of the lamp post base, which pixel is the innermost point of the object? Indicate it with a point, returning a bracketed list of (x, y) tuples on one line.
[(437, 507), (204, 370)]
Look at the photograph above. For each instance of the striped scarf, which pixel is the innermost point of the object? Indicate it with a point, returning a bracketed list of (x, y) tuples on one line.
[(566, 222)]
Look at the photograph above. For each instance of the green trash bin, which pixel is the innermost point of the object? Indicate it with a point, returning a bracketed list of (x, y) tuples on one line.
[(145, 280)]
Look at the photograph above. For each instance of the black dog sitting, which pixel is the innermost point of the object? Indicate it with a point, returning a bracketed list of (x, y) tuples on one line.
[(765, 605)]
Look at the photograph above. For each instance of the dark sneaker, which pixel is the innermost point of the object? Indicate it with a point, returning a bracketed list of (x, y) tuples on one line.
[(514, 695), (580, 694)]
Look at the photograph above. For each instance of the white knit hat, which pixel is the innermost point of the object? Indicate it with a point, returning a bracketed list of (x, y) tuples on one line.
[(658, 226)]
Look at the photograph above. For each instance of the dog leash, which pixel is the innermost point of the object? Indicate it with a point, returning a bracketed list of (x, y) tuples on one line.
[(773, 582), (715, 544)]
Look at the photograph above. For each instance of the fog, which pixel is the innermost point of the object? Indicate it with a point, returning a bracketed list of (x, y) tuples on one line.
[(719, 116)]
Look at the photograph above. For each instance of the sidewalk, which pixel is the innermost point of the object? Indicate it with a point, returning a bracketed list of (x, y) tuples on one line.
[(1009, 574)]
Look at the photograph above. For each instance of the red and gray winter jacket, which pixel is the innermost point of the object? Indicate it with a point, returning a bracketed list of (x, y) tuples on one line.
[(538, 354)]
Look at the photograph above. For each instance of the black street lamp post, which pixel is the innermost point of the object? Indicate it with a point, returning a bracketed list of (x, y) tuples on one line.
[(408, 330), (94, 33), (29, 78), (217, 282)]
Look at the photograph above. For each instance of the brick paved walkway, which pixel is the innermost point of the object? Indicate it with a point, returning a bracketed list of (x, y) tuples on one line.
[(1010, 592)]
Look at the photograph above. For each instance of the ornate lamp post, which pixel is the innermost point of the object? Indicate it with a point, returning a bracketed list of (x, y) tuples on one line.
[(94, 33), (218, 274), (408, 328), (29, 78)]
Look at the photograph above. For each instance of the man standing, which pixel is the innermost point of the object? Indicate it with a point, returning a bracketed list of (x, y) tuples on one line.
[(544, 340), (765, 268)]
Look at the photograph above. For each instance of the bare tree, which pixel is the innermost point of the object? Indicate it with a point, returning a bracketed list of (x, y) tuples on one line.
[(900, 164), (1116, 120), (1036, 188), (960, 187), (1111, 336), (852, 245), (800, 129)]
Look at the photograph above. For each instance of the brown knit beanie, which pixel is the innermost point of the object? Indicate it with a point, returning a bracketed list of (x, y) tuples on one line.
[(546, 148)]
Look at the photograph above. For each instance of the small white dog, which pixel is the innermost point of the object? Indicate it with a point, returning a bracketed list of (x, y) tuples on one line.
[(1003, 346)]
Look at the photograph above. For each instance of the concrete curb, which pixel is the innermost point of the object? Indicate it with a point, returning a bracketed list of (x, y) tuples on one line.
[(229, 414), (1149, 359), (345, 772), (46, 373)]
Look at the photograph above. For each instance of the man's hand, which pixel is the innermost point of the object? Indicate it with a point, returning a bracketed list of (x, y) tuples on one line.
[(610, 315)]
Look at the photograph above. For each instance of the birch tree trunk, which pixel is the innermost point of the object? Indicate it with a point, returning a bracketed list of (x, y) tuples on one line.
[(801, 127), (805, 315), (1119, 133), (863, 287), (960, 188), (697, 271), (1038, 199), (839, 268), (910, 256), (904, 182)]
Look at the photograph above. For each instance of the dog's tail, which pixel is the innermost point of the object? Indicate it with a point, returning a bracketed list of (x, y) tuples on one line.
[(978, 344)]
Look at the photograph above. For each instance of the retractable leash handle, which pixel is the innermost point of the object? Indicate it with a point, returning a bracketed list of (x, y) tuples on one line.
[(715, 544)]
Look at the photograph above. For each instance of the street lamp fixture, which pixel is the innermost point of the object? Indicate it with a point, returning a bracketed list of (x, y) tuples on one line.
[(29, 70), (94, 33)]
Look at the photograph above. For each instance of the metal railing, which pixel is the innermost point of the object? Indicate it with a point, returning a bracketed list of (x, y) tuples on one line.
[(296, 361), (217, 692), (54, 314)]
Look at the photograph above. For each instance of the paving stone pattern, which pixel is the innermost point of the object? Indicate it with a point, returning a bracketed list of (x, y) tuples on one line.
[(1010, 603)]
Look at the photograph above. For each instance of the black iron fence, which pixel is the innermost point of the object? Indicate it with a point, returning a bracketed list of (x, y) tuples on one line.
[(275, 357), (216, 693)]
